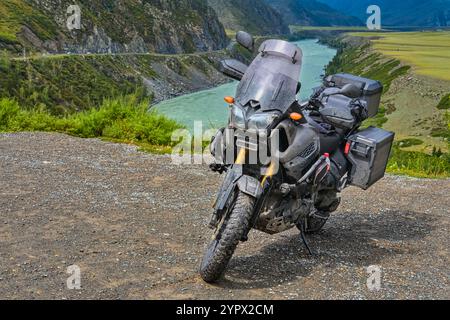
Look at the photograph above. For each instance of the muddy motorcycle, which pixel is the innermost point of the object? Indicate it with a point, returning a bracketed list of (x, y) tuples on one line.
[(314, 150)]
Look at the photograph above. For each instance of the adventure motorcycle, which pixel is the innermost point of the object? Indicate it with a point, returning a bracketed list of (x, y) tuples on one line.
[(287, 162)]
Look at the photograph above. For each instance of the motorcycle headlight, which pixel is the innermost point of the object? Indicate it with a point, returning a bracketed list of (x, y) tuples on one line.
[(237, 118), (262, 120)]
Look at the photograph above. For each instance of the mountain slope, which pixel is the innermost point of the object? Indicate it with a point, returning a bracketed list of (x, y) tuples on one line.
[(399, 13), (111, 26), (311, 13), (254, 16)]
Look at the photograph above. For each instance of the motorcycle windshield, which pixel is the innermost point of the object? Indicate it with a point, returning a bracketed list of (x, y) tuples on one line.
[(272, 78)]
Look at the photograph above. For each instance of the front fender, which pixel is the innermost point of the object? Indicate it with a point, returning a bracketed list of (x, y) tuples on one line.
[(236, 179), (250, 186)]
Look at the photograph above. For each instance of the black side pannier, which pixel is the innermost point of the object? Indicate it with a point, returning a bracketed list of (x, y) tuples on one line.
[(368, 151)]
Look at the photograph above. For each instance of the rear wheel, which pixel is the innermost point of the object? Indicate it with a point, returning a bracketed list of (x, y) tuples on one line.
[(226, 238)]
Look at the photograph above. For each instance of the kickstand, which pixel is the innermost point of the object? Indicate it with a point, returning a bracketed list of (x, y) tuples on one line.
[(305, 242)]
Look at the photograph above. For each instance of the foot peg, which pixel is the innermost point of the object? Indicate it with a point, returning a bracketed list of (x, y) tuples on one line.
[(220, 168)]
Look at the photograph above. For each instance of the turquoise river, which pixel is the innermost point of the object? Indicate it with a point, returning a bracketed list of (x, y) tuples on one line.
[(209, 107)]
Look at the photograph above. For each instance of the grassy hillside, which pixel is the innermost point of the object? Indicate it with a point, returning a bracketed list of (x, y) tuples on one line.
[(414, 106), (427, 52), (18, 13), (68, 83), (169, 26), (419, 101), (361, 60)]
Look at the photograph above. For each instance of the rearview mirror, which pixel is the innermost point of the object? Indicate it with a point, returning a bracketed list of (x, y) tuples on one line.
[(246, 40)]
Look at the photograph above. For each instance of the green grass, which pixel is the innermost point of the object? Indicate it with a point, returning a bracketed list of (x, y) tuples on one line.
[(231, 34), (67, 84), (444, 104), (418, 164), (123, 119), (427, 52), (406, 143), (18, 13), (443, 131), (378, 120)]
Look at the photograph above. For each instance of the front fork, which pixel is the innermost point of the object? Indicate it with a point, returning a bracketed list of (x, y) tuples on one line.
[(235, 179)]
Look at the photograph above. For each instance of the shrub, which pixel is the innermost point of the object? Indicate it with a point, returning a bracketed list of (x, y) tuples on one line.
[(444, 104), (419, 164), (124, 119), (405, 143)]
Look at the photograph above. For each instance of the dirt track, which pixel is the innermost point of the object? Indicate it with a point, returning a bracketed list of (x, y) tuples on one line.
[(136, 226)]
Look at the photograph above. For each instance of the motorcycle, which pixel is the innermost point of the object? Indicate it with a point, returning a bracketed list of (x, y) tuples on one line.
[(286, 162)]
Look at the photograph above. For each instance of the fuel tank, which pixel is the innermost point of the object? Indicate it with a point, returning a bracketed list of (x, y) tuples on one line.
[(301, 144), (299, 147)]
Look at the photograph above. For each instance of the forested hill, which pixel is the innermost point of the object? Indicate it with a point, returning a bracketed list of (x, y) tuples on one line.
[(311, 13), (111, 26)]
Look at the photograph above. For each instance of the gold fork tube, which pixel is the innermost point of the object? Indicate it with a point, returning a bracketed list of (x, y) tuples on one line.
[(241, 156), (270, 172)]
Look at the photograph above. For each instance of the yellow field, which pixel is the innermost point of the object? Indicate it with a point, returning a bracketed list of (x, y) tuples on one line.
[(427, 52)]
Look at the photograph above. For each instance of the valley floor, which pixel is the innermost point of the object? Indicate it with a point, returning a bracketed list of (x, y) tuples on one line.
[(135, 224)]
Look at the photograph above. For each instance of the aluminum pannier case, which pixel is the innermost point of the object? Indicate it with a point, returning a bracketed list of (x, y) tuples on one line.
[(368, 151)]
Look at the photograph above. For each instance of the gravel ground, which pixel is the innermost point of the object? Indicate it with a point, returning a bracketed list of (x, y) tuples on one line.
[(135, 224)]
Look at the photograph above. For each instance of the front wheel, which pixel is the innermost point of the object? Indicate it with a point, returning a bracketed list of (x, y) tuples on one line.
[(226, 238)]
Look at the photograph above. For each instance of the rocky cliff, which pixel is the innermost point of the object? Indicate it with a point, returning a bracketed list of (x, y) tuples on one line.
[(111, 26)]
